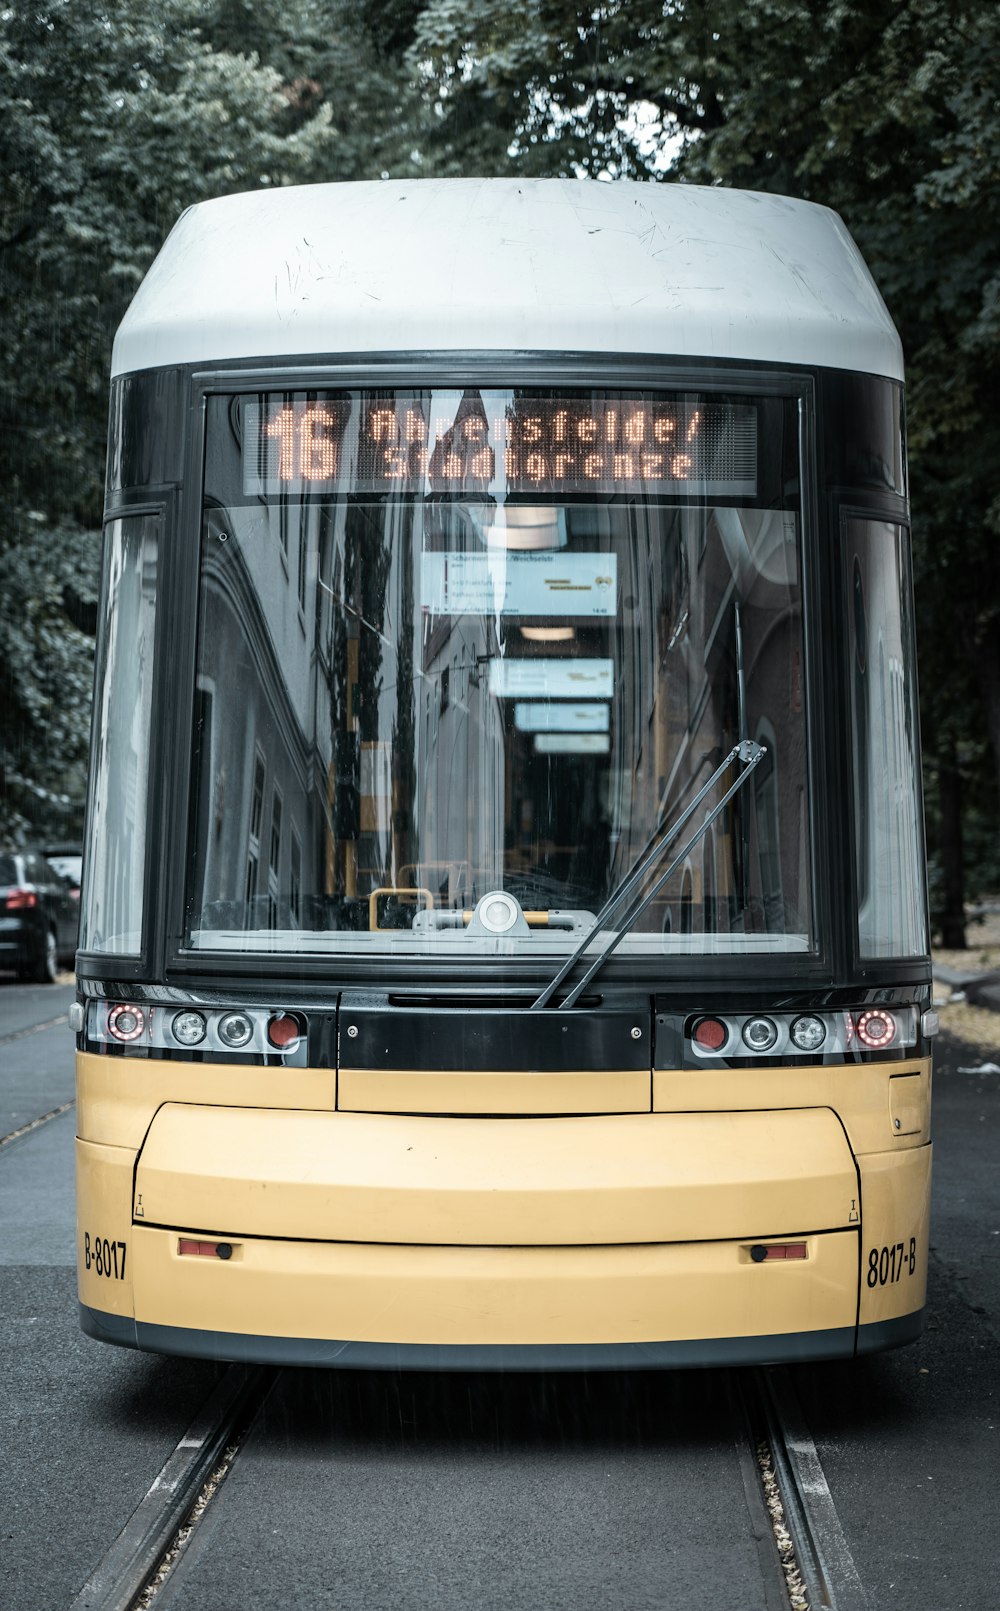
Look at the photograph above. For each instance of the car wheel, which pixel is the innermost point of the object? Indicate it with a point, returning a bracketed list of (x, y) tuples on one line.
[(47, 967)]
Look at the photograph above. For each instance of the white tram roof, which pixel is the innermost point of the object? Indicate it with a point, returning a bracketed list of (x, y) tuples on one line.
[(500, 265)]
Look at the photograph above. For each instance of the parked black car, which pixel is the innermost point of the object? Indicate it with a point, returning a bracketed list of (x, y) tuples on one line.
[(39, 916), (67, 859)]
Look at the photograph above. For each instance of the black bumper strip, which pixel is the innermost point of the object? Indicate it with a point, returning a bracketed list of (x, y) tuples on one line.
[(119, 1329), (791, 1348), (881, 1334)]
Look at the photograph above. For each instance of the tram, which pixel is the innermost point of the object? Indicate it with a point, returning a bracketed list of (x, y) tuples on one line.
[(504, 934)]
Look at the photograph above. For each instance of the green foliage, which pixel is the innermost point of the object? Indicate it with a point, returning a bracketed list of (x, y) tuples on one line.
[(885, 110), (115, 119), (112, 121), (48, 582)]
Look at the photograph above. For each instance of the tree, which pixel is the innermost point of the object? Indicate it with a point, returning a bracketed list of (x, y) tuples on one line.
[(111, 123), (886, 111)]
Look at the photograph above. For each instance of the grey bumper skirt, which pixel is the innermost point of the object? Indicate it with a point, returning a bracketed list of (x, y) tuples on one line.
[(789, 1348)]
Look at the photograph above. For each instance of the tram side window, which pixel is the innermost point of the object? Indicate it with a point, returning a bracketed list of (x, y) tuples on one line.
[(889, 829), (115, 857)]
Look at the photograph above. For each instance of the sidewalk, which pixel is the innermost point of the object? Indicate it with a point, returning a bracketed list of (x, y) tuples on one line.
[(967, 983)]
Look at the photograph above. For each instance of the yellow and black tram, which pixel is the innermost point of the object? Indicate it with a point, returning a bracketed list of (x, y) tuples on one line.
[(504, 936)]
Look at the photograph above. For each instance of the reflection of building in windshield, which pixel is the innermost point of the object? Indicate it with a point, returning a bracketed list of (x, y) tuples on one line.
[(404, 702), (259, 762), (731, 663)]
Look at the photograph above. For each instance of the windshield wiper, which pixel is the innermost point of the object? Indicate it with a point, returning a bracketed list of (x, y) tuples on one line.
[(750, 754)]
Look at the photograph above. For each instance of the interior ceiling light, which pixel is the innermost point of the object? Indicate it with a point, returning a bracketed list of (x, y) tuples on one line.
[(521, 526), (548, 634)]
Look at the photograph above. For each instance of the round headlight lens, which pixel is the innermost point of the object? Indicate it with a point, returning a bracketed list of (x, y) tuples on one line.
[(126, 1022), (760, 1034), (235, 1029), (189, 1028), (876, 1029), (808, 1033)]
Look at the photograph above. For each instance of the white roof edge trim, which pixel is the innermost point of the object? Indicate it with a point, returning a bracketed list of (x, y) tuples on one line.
[(505, 265)]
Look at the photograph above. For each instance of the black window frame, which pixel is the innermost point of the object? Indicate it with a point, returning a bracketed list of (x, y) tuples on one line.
[(824, 472)]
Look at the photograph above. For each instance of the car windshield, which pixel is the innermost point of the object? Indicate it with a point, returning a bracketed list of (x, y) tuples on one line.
[(458, 642), (67, 866)]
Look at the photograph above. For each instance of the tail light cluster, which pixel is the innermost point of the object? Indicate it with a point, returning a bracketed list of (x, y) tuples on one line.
[(237, 1031), (805, 1034), (21, 900)]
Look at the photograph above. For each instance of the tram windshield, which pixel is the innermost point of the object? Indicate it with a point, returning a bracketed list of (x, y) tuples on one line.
[(453, 642)]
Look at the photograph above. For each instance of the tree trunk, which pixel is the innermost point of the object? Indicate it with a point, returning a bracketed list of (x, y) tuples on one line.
[(952, 871), (988, 663)]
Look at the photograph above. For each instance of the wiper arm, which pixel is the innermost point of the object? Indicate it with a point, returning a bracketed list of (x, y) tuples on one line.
[(750, 754)]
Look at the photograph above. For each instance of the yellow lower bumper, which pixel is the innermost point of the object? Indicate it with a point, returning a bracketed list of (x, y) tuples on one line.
[(495, 1295), (374, 1239)]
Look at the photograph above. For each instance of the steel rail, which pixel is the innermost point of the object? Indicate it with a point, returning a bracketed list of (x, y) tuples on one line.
[(31, 1125), (33, 1029), (134, 1560), (826, 1570)]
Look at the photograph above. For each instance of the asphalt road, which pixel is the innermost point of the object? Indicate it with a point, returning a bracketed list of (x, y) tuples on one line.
[(398, 1493), (368, 1490), (83, 1429), (910, 1441)]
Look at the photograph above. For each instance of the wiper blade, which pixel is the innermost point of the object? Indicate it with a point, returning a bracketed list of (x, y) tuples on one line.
[(751, 755)]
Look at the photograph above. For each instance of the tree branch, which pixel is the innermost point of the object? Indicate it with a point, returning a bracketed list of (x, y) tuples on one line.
[(683, 112)]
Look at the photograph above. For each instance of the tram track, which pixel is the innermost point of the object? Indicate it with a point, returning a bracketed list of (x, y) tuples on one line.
[(803, 1557), (31, 1125), (33, 1029), (817, 1567), (12, 1037), (132, 1572)]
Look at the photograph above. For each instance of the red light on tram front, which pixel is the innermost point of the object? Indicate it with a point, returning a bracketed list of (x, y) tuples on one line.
[(876, 1029), (710, 1034), (283, 1031), (126, 1022)]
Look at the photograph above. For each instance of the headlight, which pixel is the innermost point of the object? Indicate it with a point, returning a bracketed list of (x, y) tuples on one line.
[(760, 1034), (808, 1033), (235, 1029), (126, 1022), (876, 1028), (188, 1028)]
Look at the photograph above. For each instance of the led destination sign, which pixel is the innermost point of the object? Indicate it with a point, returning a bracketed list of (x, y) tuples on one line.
[(493, 444)]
